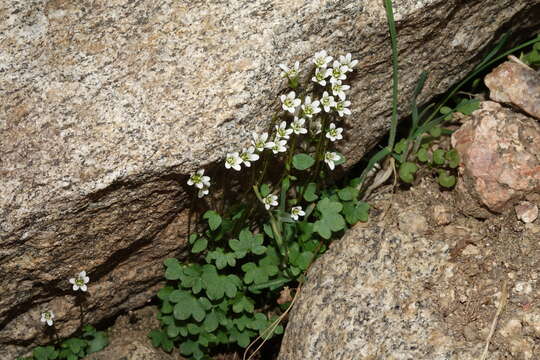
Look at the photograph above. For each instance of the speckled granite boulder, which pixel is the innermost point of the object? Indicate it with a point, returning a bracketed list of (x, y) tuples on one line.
[(108, 105), (381, 293), (365, 300)]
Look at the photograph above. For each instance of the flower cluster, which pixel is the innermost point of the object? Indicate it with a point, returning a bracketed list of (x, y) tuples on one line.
[(330, 74), (78, 283)]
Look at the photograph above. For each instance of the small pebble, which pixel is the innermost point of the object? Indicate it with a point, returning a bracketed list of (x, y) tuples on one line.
[(526, 211)]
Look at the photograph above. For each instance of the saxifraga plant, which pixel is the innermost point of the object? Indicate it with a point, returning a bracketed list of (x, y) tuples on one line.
[(249, 252), (246, 255)]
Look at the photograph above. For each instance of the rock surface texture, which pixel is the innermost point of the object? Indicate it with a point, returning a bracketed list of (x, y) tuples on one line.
[(500, 155), (108, 105), (384, 293), (515, 84)]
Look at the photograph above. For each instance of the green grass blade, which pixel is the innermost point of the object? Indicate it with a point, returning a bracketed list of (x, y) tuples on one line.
[(419, 86), (393, 38)]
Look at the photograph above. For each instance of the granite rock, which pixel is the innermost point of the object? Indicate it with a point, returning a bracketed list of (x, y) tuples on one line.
[(515, 84), (382, 293), (500, 161), (108, 105), (364, 299)]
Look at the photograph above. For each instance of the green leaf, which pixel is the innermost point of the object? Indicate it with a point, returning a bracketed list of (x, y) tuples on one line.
[(258, 322), (210, 322), (302, 161), (326, 206), (438, 157), (159, 338), (264, 190), (453, 158), (400, 147), (322, 229), (306, 229), (172, 331), (192, 238), (45, 353), (445, 110), (214, 220), (310, 192), (99, 342), (348, 193), (446, 180), (164, 292), (242, 338), (242, 303), (186, 306), (221, 258), (74, 344), (173, 269), (407, 171), (467, 107), (268, 230), (191, 278), (191, 348), (422, 155), (258, 274), (303, 259), (231, 283), (199, 246), (435, 131), (247, 243), (212, 283)]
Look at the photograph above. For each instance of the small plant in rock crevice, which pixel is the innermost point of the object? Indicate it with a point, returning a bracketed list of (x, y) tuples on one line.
[(248, 253), (74, 348)]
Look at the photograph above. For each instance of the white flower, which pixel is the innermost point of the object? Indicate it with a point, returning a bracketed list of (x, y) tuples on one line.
[(334, 133), (347, 63), (297, 211), (290, 102), (247, 156), (342, 107), (199, 180), (297, 126), (282, 132), (47, 317), (321, 59), (338, 72), (259, 141), (327, 101), (277, 146), (330, 158), (203, 192), (80, 281), (315, 127), (290, 73), (339, 90), (270, 200), (232, 160), (320, 75), (310, 108)]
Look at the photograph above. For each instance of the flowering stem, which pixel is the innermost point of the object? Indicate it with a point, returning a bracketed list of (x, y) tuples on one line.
[(275, 229)]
